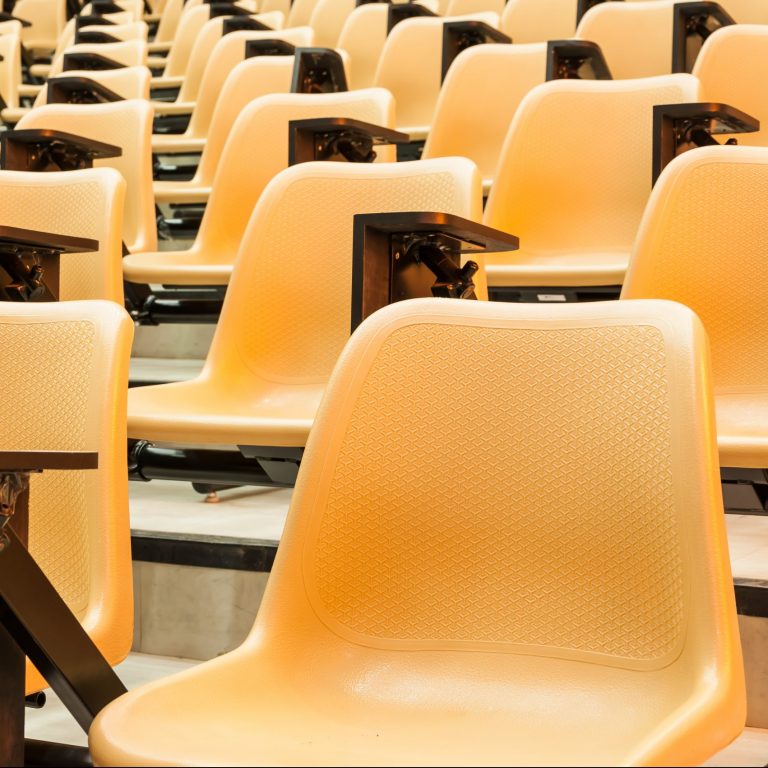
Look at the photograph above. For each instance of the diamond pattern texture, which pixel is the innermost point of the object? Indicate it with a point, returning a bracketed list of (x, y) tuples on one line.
[(691, 252), (542, 486), (52, 418), (296, 319)]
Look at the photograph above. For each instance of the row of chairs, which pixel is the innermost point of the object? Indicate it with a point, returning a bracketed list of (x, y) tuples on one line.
[(585, 452)]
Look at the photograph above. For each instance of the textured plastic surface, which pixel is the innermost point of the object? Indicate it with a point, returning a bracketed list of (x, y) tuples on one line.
[(74, 357), (701, 243), (484, 595)]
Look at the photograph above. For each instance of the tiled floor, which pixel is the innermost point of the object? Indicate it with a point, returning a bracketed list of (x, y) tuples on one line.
[(54, 723)]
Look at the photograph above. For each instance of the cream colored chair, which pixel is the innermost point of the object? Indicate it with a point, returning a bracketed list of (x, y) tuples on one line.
[(732, 66), (167, 26), (411, 67), (418, 613), (702, 243), (478, 100), (461, 7), (128, 53), (73, 355), (328, 19), (220, 62), (127, 124), (249, 80), (301, 12), (12, 27), (182, 44), (286, 316), (746, 11), (256, 150), (86, 203), (10, 76), (635, 37), (47, 17), (537, 21), (127, 82), (574, 190), (135, 30)]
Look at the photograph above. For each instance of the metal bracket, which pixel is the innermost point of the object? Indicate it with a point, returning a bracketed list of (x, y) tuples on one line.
[(226, 9), (268, 48), (318, 70), (693, 23), (576, 60), (409, 255), (29, 262), (91, 62), (243, 23), (460, 35), (337, 138), (40, 149), (680, 127), (93, 36)]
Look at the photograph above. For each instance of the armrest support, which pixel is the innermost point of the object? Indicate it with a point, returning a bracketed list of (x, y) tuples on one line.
[(693, 23), (93, 36), (460, 35), (409, 255), (79, 90), (239, 23), (576, 60), (89, 62), (680, 127), (10, 17), (92, 20), (268, 48), (403, 11), (318, 70), (226, 9), (29, 262), (41, 149), (330, 138)]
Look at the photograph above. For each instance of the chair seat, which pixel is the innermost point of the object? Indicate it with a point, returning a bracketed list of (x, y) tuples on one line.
[(208, 412), (240, 710), (742, 427), (181, 192), (175, 268), (176, 143), (523, 268)]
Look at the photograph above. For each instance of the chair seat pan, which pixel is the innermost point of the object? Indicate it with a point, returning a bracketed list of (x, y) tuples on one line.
[(742, 428), (175, 268), (240, 710), (176, 143), (523, 268), (181, 192), (224, 413)]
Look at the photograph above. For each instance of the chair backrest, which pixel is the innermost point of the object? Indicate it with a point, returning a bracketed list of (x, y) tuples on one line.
[(128, 125), (228, 52), (411, 66), (86, 203), (67, 366), (256, 150), (190, 24), (249, 80), (412, 553), (301, 12), (10, 70), (479, 98), (284, 6), (636, 37), (328, 19), (702, 243), (362, 37), (287, 313), (169, 21), (537, 21), (135, 30), (47, 18), (460, 7), (732, 67), (12, 27), (746, 11), (597, 163), (128, 53), (128, 82)]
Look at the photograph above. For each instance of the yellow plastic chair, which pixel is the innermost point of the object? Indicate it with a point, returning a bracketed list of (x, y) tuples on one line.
[(249, 80), (481, 93), (220, 62), (411, 66), (135, 30), (746, 11), (461, 7), (636, 37), (301, 12), (128, 53), (182, 44), (280, 333), (328, 18), (419, 613), (128, 82), (128, 125), (732, 67), (362, 37), (10, 76), (574, 190), (537, 21), (47, 17), (699, 244), (256, 149), (12, 27), (74, 356), (86, 203)]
